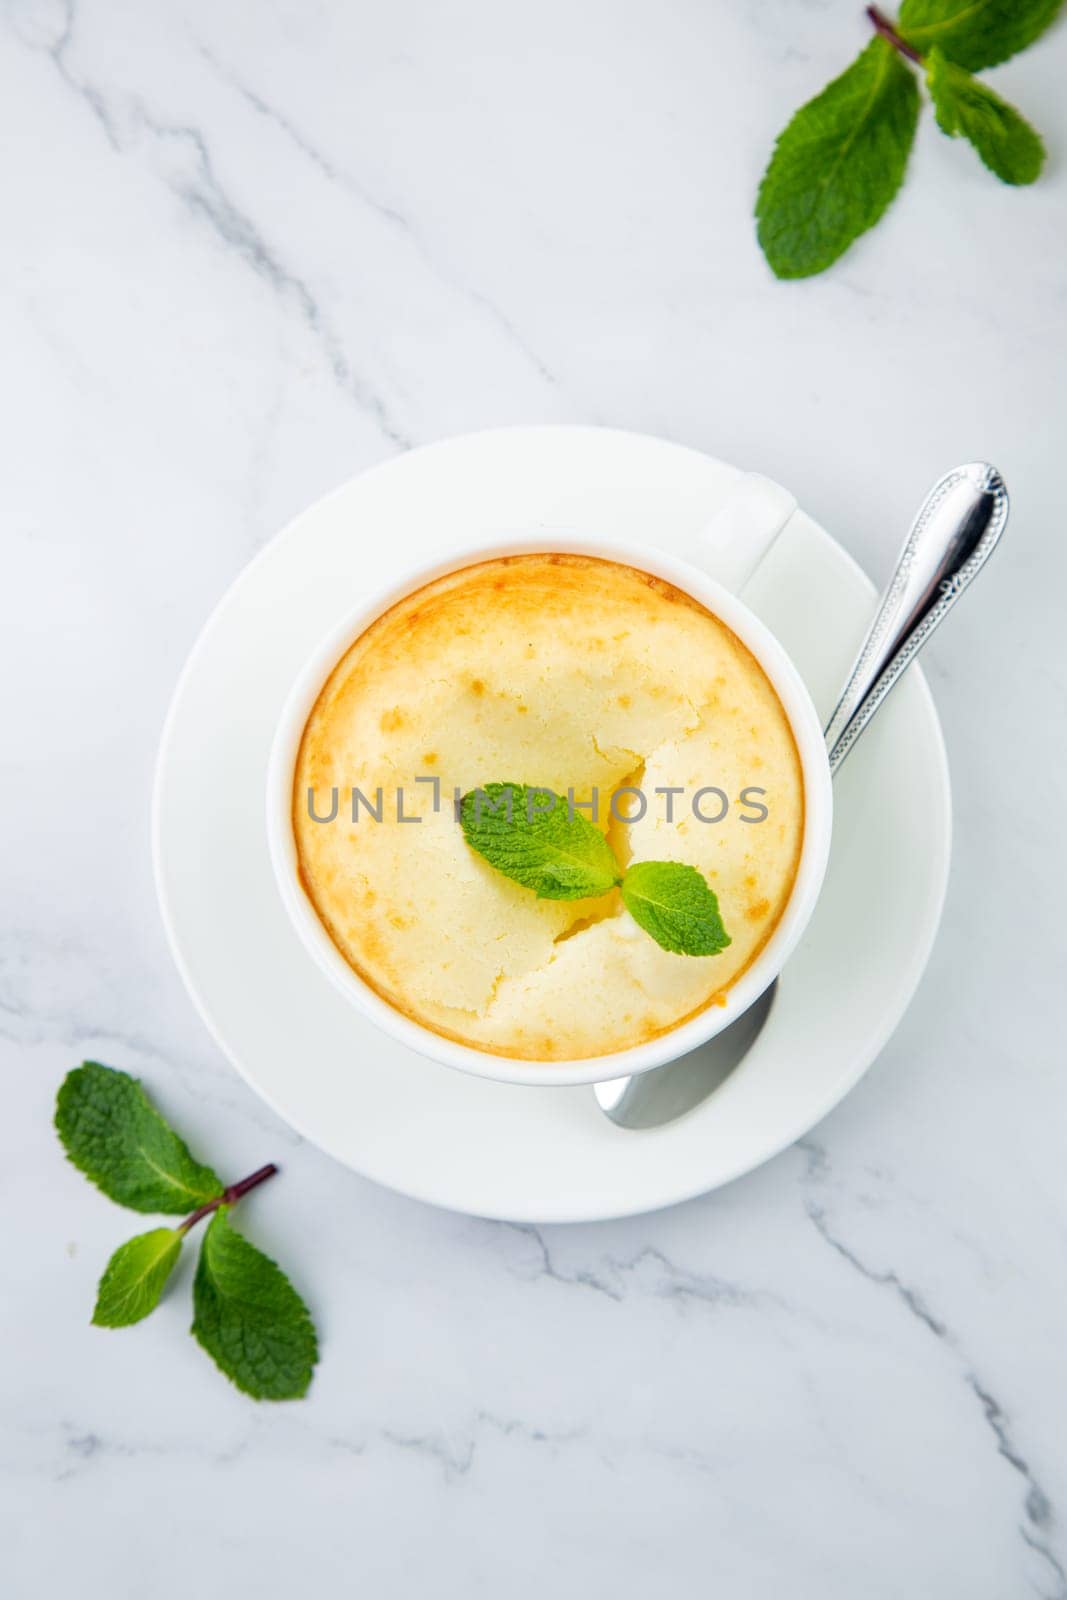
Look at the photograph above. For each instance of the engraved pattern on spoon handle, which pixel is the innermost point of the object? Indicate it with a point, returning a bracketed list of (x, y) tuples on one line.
[(952, 537)]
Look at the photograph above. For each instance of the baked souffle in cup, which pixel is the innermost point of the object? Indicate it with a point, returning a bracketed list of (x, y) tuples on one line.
[(628, 681)]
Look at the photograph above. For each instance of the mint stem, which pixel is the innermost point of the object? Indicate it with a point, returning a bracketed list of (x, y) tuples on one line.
[(228, 1196), (882, 25)]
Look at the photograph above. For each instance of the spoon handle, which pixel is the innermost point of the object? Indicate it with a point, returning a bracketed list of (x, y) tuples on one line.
[(952, 537)]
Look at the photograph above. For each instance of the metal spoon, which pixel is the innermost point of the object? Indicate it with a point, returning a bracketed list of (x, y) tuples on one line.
[(952, 537)]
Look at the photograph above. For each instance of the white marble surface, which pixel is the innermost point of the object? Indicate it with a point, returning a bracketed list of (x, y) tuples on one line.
[(249, 248)]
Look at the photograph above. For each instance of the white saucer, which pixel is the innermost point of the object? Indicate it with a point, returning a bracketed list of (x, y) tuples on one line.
[(545, 1155)]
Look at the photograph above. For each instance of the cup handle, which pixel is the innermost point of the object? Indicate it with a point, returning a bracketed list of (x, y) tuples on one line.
[(741, 533)]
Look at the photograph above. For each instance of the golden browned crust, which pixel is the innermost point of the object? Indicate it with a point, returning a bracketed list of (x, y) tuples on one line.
[(563, 671)]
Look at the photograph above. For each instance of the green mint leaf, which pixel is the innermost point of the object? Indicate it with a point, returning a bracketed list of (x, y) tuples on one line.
[(112, 1133), (838, 164), (527, 834), (674, 904), (249, 1318), (975, 33), (135, 1277), (1004, 139)]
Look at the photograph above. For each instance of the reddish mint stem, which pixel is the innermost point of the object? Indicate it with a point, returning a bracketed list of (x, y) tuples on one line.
[(883, 26), (228, 1196)]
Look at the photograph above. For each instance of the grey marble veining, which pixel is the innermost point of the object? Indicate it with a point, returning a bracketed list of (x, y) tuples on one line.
[(248, 250)]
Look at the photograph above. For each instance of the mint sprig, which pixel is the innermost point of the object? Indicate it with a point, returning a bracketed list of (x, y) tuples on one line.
[(247, 1315), (539, 840), (842, 158)]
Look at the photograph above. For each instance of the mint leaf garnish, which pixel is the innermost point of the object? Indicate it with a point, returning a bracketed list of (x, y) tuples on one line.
[(1006, 142), (249, 1318), (530, 835), (112, 1133), (838, 164), (564, 857), (674, 904), (976, 33), (135, 1277)]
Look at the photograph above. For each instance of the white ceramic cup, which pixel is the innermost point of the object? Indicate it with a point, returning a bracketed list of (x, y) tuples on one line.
[(733, 545)]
